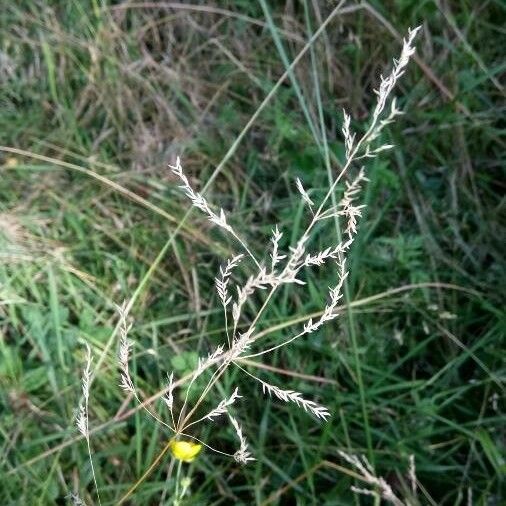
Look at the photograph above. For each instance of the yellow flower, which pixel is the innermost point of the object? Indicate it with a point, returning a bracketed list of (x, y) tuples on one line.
[(184, 450)]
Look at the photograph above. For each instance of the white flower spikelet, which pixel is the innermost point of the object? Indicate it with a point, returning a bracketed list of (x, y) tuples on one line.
[(260, 281), (126, 382), (198, 200), (303, 193), (242, 455), (348, 209), (82, 415), (294, 262), (240, 344), (349, 138), (224, 278), (276, 257), (204, 363), (320, 412), (388, 83), (221, 409), (125, 345), (335, 295), (168, 398), (322, 256)]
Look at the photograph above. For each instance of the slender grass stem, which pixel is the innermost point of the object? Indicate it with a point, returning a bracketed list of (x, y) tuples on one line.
[(216, 376), (92, 467), (178, 478), (148, 471)]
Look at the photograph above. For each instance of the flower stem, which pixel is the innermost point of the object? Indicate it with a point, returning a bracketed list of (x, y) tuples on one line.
[(145, 475)]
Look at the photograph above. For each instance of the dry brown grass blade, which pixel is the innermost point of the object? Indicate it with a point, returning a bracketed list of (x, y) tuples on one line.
[(209, 9), (111, 184), (287, 372)]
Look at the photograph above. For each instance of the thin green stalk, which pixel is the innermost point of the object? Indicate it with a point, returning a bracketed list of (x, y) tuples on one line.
[(92, 466), (133, 488), (178, 477)]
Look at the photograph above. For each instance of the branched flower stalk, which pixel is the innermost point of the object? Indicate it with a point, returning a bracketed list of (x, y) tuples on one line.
[(379, 487), (282, 268), (298, 258)]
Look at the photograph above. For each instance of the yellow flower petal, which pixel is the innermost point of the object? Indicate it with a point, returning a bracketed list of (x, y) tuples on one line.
[(184, 450)]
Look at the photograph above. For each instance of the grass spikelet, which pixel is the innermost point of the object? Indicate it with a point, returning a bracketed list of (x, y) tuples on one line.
[(320, 412), (381, 487), (242, 455), (83, 414)]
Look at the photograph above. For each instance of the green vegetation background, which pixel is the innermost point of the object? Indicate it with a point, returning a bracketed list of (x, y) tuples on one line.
[(96, 99)]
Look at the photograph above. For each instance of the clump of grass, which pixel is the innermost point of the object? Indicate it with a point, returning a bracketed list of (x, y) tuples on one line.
[(95, 100)]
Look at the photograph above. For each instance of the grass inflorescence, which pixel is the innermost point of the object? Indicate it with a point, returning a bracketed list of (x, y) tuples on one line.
[(382, 375)]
